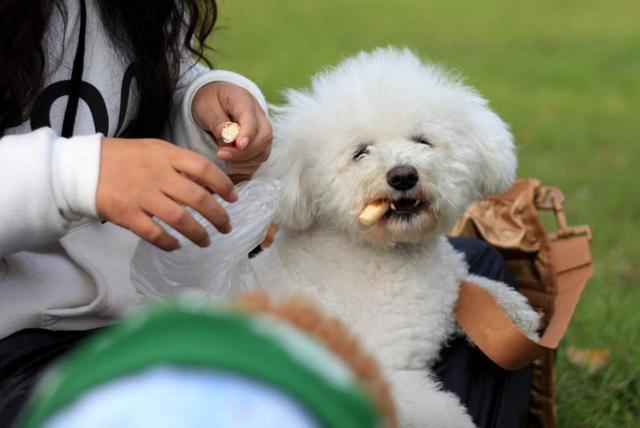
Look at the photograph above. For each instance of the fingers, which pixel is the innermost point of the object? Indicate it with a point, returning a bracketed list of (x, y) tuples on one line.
[(239, 177), (177, 216), (242, 112), (150, 231), (167, 206), (203, 171), (248, 167), (260, 136), (149, 178), (208, 111), (272, 231), (218, 103), (186, 192)]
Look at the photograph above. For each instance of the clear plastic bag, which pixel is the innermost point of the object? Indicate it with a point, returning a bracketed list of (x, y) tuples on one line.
[(220, 271)]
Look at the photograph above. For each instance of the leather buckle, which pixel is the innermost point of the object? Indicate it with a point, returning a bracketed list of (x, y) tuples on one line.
[(549, 198), (552, 198), (570, 232)]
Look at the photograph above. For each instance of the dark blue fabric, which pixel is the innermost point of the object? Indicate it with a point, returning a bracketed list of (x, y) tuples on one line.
[(23, 357), (494, 397)]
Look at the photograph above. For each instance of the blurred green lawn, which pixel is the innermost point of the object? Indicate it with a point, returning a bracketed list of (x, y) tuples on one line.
[(565, 74)]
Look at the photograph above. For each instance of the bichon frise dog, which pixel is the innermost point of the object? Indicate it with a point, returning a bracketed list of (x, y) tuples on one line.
[(386, 127)]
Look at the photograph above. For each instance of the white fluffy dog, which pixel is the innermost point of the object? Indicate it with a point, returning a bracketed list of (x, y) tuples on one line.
[(386, 126)]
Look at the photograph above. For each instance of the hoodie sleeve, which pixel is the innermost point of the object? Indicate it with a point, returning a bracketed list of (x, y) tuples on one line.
[(46, 182), (184, 130)]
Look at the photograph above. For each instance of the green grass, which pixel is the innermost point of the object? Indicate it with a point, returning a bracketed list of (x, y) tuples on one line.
[(565, 74)]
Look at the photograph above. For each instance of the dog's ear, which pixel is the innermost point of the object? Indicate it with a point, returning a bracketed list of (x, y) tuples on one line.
[(495, 160), (290, 160), (294, 211)]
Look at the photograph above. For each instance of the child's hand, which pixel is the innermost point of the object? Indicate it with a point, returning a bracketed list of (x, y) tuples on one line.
[(220, 102), (148, 177)]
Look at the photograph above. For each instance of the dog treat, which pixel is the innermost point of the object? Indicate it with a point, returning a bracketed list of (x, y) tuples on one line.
[(230, 131), (373, 212)]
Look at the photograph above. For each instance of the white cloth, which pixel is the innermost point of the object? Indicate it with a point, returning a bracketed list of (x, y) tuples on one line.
[(166, 397), (62, 268)]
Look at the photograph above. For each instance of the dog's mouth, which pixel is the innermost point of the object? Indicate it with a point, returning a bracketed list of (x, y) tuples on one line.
[(405, 208)]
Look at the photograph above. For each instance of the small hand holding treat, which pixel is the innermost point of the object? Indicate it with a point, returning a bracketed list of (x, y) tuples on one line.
[(225, 108)]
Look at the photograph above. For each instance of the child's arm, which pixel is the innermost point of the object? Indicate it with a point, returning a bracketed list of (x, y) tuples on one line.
[(46, 182)]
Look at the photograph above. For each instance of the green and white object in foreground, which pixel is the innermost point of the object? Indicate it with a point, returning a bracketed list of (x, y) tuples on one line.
[(171, 363)]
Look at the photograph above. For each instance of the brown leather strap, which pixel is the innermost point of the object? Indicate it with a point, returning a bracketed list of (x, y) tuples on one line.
[(492, 331)]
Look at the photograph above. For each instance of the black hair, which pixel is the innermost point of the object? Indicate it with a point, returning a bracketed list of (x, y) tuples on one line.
[(152, 33)]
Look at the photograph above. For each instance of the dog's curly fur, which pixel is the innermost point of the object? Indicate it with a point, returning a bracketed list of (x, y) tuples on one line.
[(395, 283)]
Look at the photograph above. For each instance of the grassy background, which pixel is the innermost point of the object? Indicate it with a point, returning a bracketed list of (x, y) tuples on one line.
[(565, 74)]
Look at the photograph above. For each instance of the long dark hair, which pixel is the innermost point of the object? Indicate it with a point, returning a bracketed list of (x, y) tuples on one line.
[(153, 33)]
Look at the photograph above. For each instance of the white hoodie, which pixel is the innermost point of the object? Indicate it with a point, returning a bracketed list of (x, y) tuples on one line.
[(60, 267)]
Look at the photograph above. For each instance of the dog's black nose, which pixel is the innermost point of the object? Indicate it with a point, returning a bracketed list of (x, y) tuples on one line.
[(402, 177)]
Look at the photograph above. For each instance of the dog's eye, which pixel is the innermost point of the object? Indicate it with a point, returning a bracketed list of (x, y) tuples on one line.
[(361, 152), (422, 140)]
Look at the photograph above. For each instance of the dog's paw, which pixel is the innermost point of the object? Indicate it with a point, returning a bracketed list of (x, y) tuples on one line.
[(514, 304)]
